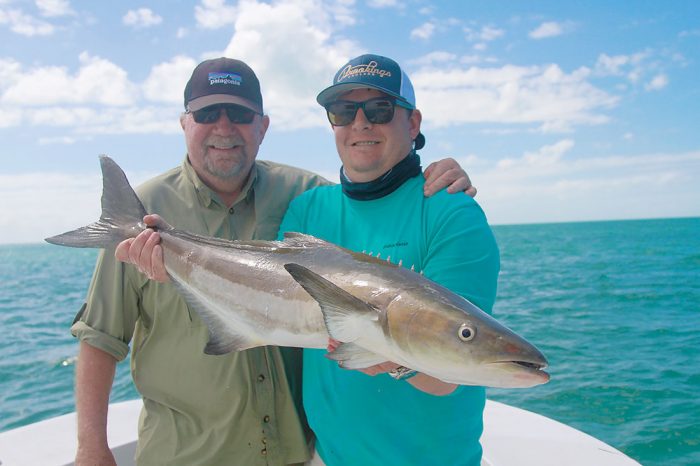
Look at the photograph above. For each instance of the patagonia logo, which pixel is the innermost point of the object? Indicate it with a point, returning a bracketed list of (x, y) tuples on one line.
[(369, 69), (225, 78)]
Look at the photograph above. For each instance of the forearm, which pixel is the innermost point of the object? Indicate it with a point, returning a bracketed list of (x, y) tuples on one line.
[(93, 383), (431, 385), (418, 380)]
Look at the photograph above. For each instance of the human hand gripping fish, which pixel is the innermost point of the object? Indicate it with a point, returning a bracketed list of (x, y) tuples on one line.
[(303, 290), (144, 251)]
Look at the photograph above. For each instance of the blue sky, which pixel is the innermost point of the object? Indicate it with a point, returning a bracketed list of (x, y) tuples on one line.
[(560, 111)]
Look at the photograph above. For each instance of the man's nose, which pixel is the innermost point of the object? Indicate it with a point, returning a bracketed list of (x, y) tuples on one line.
[(223, 123), (361, 121)]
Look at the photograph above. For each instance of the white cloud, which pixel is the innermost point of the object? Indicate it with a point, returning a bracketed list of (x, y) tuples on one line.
[(689, 33), (63, 140), (441, 57), (23, 24), (10, 118), (540, 160), (433, 58), (290, 77), (213, 14), (98, 81), (423, 32), (342, 12), (658, 82), (546, 30), (542, 95), (641, 68), (547, 185), (110, 120), (166, 81), (141, 18), (384, 4), (53, 8), (181, 33), (485, 34), (631, 66), (98, 97), (9, 72), (616, 64)]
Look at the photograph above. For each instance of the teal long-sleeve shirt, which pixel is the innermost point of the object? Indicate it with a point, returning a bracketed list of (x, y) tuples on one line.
[(363, 420)]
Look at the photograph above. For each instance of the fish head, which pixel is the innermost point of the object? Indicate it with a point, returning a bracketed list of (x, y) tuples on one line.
[(457, 342)]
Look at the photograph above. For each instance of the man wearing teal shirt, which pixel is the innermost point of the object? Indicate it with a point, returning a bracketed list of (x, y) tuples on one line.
[(379, 208)]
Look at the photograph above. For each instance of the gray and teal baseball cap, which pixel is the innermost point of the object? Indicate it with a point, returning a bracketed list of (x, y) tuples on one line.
[(374, 72)]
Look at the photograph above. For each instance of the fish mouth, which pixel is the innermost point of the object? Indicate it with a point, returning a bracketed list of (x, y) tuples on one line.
[(528, 367)]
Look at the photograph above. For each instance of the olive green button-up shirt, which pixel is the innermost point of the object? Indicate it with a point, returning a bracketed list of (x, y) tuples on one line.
[(238, 408)]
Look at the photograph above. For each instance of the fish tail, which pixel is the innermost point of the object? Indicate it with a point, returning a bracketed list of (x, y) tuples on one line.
[(121, 218)]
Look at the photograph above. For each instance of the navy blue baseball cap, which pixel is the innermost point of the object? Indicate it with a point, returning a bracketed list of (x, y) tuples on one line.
[(374, 72), (223, 81)]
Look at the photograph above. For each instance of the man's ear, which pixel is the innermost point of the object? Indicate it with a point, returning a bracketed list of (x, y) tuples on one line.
[(264, 124), (414, 122), (183, 115)]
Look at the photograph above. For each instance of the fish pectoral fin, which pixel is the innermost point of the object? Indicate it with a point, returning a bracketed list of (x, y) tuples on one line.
[(352, 356), (345, 316), (222, 339), (224, 345)]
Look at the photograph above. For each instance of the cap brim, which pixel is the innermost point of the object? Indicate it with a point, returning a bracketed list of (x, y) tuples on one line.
[(332, 93), (213, 99)]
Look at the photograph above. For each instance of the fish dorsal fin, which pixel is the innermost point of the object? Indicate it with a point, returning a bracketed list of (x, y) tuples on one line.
[(352, 356), (221, 339), (344, 314)]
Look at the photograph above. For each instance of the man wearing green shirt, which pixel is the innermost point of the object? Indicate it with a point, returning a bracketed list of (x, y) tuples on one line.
[(198, 409)]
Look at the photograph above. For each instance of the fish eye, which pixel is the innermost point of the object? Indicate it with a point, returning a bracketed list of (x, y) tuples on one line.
[(466, 333)]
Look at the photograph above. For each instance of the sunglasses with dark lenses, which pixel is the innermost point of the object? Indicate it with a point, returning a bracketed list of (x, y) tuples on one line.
[(378, 111), (236, 114)]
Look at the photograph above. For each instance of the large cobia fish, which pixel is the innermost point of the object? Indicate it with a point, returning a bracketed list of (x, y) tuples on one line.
[(299, 291)]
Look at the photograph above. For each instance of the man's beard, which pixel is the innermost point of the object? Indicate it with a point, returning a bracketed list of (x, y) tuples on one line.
[(237, 165)]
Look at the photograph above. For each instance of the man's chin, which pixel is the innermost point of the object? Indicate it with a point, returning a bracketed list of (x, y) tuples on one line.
[(225, 168)]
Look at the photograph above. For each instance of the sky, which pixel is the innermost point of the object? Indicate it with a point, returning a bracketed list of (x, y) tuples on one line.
[(559, 111)]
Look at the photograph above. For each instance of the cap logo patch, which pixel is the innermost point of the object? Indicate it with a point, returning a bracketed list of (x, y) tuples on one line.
[(225, 78), (369, 69)]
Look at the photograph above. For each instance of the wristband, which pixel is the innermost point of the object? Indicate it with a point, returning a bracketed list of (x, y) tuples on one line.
[(402, 373)]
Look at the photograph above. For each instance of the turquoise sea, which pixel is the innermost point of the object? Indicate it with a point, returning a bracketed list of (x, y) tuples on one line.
[(614, 305)]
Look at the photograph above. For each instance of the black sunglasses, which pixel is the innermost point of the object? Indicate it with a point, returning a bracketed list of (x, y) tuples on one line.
[(378, 111), (236, 114)]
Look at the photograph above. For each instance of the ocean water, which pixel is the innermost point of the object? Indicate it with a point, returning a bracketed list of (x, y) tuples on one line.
[(615, 306)]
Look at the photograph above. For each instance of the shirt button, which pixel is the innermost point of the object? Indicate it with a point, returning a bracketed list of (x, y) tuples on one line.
[(230, 211), (261, 378), (264, 441), (263, 451), (266, 419)]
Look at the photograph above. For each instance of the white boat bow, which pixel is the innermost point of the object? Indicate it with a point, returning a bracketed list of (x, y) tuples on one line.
[(512, 437)]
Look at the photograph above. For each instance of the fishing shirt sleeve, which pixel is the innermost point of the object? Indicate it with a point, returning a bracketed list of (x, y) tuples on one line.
[(108, 318), (461, 252)]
